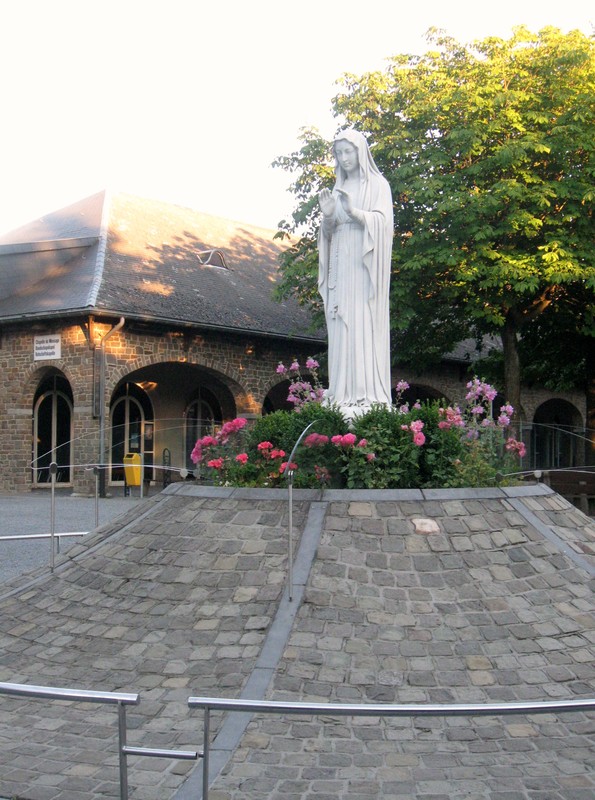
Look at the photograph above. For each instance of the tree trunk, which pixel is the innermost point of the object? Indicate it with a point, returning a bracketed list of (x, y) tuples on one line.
[(512, 372)]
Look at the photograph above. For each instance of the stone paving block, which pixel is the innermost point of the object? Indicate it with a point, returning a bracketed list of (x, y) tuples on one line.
[(404, 619)]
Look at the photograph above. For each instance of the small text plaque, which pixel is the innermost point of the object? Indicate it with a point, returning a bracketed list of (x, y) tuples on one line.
[(47, 347)]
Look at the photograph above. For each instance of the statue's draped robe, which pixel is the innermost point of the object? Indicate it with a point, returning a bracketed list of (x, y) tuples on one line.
[(354, 277)]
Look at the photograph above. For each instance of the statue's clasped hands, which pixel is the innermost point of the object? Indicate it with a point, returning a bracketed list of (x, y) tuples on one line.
[(327, 202)]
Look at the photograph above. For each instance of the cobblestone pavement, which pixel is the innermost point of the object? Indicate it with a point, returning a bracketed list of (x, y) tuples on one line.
[(460, 596), (167, 602)]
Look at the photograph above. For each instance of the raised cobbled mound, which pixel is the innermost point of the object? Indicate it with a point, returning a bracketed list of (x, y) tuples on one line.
[(460, 596)]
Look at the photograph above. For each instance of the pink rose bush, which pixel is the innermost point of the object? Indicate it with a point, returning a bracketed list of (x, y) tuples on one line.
[(227, 467), (422, 445), (220, 438), (512, 446)]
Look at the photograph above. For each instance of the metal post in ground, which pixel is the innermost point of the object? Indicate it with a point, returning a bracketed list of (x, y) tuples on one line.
[(53, 472), (96, 473), (206, 751), (122, 751), (289, 473)]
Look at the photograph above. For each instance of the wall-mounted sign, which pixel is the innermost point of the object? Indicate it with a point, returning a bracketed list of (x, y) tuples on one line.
[(46, 347)]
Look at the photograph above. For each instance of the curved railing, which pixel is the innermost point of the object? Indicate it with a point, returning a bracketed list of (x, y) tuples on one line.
[(209, 704), (120, 699)]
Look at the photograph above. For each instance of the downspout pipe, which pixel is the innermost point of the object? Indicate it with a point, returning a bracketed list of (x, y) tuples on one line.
[(101, 348)]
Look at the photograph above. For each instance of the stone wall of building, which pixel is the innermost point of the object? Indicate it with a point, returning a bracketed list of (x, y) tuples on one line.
[(451, 382), (244, 365)]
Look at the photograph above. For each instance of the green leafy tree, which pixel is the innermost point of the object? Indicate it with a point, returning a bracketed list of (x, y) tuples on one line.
[(490, 152)]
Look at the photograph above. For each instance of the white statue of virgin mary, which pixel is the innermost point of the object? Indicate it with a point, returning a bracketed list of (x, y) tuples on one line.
[(354, 244)]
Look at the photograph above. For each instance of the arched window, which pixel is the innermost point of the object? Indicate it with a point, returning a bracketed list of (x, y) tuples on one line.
[(131, 430), (276, 399), (52, 430), (202, 416)]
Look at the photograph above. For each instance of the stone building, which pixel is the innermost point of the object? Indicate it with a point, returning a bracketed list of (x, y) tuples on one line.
[(134, 326)]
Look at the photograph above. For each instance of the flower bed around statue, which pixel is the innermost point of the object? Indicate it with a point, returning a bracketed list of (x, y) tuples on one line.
[(428, 445)]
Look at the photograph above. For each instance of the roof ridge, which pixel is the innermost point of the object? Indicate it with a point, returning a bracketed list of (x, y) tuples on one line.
[(101, 250)]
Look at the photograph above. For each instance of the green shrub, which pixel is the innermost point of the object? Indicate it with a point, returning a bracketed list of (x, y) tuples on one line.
[(442, 450), (315, 466), (395, 464), (387, 448)]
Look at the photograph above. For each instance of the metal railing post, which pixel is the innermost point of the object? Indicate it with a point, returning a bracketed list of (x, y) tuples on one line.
[(96, 473), (120, 699), (205, 753), (122, 757), (53, 471), (290, 542), (289, 473)]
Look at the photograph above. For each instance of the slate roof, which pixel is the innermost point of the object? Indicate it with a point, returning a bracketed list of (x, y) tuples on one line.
[(123, 255)]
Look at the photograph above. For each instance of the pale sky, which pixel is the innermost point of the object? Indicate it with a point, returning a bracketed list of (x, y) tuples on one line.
[(190, 101)]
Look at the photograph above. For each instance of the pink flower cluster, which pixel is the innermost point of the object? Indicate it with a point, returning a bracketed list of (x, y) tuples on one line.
[(514, 446), (311, 364), (401, 387), (316, 440), (269, 452), (228, 428), (221, 437), (506, 413), (416, 427), (450, 418), (345, 440), (302, 391), (480, 391), (480, 396), (266, 450), (340, 440)]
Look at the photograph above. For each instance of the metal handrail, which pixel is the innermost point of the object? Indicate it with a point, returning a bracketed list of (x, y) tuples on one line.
[(79, 695), (371, 710), (289, 475), (121, 699), (54, 536), (22, 537), (57, 693)]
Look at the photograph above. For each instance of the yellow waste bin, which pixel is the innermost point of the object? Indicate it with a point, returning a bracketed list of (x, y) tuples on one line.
[(132, 465)]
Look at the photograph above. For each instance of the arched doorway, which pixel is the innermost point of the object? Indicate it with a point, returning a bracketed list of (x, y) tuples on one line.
[(180, 402), (52, 430), (416, 392), (557, 435), (131, 430), (276, 399), (201, 417)]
